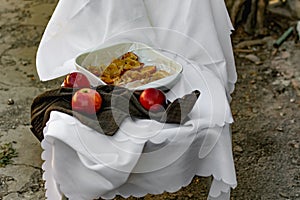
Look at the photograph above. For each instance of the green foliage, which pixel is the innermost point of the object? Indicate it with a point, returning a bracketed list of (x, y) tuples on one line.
[(7, 152)]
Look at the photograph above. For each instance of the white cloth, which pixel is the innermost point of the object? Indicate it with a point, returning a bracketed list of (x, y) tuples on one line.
[(143, 156), (82, 164), (198, 30)]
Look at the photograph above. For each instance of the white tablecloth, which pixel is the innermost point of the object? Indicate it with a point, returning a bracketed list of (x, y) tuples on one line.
[(144, 156), (108, 167)]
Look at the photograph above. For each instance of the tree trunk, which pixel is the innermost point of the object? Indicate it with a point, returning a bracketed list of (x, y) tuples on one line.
[(248, 13)]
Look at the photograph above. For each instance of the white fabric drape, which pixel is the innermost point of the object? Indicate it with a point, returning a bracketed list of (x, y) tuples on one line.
[(143, 156), (84, 24)]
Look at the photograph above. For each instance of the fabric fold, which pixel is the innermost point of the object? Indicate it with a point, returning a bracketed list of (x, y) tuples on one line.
[(118, 103)]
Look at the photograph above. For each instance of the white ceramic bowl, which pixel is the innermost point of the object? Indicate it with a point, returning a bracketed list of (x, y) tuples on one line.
[(146, 55)]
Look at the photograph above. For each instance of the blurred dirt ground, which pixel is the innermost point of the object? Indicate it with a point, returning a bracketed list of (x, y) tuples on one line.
[(265, 105)]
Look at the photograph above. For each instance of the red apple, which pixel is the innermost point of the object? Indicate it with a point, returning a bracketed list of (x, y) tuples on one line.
[(86, 100), (76, 80), (152, 99)]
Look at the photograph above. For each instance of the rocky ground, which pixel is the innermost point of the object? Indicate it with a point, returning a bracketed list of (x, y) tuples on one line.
[(266, 101)]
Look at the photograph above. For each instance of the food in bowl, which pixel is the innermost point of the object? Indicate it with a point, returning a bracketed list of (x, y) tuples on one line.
[(127, 69), (159, 68)]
